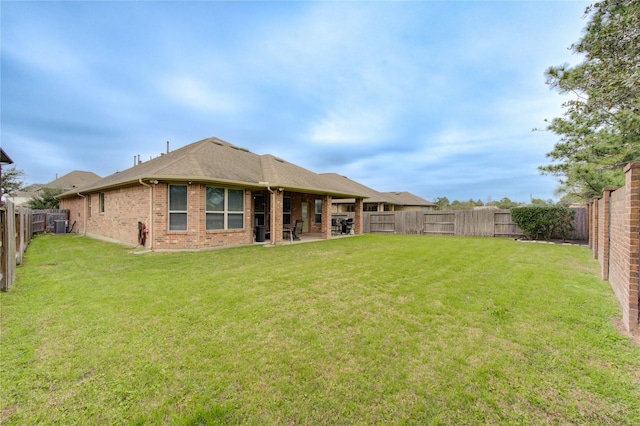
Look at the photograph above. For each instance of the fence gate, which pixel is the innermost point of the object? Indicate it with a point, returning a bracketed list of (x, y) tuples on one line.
[(440, 223), (382, 222)]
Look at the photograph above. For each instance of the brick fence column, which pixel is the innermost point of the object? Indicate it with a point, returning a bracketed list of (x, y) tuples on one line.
[(605, 240), (632, 183), (590, 223), (595, 223)]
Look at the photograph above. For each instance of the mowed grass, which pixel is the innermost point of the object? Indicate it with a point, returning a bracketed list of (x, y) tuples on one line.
[(369, 330)]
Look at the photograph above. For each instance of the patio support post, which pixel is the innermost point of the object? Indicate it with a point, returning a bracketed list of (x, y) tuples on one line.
[(276, 211), (359, 216), (326, 217)]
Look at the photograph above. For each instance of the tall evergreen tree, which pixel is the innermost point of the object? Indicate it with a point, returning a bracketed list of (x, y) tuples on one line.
[(600, 129)]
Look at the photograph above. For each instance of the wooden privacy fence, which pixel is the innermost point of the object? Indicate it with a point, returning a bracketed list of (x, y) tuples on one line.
[(472, 223), (44, 220), (15, 236)]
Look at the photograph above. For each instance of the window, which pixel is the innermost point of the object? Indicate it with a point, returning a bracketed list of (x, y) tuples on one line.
[(177, 207), (89, 205), (225, 208), (286, 211), (318, 217), (102, 202)]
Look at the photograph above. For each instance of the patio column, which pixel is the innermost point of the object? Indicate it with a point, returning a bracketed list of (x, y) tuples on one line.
[(276, 211), (326, 217), (359, 216)]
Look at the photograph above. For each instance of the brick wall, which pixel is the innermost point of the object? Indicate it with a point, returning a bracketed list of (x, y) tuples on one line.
[(76, 212), (125, 207), (615, 237), (196, 236)]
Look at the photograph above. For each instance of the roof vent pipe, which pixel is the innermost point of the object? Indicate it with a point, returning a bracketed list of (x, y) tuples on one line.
[(134, 161), (167, 147)]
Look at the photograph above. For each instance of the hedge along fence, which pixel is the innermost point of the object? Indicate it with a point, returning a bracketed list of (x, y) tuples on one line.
[(544, 222), (475, 223)]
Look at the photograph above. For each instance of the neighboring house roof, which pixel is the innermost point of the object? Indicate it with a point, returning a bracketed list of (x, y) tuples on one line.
[(396, 198), (404, 198), (33, 188), (74, 179), (216, 161), (4, 157)]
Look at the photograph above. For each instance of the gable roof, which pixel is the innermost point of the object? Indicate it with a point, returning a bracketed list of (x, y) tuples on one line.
[(213, 160)]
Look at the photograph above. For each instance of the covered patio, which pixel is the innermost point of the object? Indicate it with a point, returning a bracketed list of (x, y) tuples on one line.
[(275, 212)]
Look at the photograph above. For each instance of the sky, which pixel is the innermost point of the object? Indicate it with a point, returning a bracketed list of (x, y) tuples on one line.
[(438, 98)]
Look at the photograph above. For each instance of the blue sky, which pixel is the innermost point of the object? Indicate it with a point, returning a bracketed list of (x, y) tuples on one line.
[(435, 98)]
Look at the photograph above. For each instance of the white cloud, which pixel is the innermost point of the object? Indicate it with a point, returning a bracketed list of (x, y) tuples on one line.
[(197, 94)]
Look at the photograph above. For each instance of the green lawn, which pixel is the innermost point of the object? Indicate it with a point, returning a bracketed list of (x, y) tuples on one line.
[(369, 330)]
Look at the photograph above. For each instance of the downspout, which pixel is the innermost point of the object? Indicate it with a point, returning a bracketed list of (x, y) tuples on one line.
[(150, 238), (86, 212)]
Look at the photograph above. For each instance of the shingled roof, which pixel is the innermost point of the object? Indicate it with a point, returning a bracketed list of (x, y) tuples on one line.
[(401, 198), (74, 179), (213, 160), (404, 198)]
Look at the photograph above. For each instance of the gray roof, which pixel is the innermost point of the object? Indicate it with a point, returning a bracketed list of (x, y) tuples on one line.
[(373, 196), (213, 160), (403, 198), (74, 179)]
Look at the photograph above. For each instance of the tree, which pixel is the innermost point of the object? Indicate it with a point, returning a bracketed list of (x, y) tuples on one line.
[(45, 199), (12, 180), (466, 205), (600, 129), (442, 203), (505, 203)]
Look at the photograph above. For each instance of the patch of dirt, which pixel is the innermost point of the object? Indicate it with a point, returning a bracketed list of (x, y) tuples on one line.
[(633, 335), (565, 242)]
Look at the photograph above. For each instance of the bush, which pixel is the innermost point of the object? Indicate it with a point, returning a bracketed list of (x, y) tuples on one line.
[(544, 222)]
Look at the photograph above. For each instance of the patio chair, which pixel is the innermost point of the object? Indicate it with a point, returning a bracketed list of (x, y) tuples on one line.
[(294, 230)]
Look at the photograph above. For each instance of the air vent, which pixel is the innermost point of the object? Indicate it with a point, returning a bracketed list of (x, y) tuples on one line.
[(278, 159), (239, 148), (218, 143)]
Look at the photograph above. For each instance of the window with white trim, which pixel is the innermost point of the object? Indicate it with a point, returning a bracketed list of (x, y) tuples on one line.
[(225, 208), (178, 207)]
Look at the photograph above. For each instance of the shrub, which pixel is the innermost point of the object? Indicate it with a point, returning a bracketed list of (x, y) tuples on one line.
[(544, 222)]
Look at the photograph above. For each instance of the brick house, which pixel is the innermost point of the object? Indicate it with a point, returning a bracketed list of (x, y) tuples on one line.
[(204, 195)]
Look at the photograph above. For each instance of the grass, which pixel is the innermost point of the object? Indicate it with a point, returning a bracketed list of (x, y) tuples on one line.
[(367, 330)]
